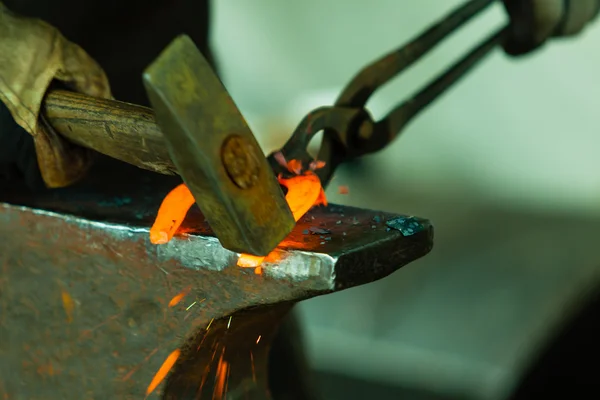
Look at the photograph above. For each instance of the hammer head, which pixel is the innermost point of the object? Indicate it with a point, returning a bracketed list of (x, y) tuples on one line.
[(215, 151)]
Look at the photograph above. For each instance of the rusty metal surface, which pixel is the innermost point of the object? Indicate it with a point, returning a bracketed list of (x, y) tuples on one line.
[(215, 151), (90, 244)]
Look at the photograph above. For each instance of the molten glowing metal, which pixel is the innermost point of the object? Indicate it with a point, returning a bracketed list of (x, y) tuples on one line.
[(304, 192), (171, 214)]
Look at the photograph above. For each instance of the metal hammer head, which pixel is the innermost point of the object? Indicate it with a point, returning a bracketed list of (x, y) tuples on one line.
[(215, 151)]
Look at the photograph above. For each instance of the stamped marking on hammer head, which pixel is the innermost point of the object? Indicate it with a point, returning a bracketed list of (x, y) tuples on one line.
[(215, 151)]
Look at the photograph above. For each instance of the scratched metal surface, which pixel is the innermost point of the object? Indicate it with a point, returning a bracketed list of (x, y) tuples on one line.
[(91, 242)]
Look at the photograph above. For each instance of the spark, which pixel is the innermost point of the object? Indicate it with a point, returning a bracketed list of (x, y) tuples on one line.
[(253, 370), (166, 273), (163, 371), (137, 367), (68, 305), (209, 324), (258, 340), (229, 323), (178, 297), (221, 378), (195, 302), (88, 332), (343, 189)]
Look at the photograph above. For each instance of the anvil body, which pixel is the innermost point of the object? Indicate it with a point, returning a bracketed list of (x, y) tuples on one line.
[(86, 300)]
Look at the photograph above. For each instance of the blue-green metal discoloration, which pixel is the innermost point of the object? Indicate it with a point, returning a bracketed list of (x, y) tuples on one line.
[(408, 226)]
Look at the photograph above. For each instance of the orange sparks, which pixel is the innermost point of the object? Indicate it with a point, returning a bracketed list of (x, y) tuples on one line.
[(171, 214), (178, 297), (163, 371), (343, 189), (221, 378), (68, 305), (304, 192)]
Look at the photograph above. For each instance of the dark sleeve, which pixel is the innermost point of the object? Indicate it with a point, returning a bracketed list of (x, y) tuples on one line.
[(123, 36), (18, 161)]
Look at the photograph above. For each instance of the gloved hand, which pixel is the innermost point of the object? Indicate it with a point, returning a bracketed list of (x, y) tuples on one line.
[(535, 21), (32, 55)]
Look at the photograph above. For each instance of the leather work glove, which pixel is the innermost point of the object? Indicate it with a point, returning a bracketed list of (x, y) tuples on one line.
[(535, 21), (32, 55)]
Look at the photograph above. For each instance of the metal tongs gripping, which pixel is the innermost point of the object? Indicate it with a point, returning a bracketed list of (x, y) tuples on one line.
[(349, 130)]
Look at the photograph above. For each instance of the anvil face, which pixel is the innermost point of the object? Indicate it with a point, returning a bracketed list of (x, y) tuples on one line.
[(89, 306)]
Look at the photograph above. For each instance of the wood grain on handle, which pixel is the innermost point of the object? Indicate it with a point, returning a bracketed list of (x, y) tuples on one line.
[(120, 130)]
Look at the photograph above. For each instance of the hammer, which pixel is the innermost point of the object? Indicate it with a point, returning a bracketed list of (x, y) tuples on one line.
[(195, 131), (199, 133)]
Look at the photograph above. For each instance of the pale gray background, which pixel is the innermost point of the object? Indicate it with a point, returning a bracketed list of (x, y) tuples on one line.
[(505, 165)]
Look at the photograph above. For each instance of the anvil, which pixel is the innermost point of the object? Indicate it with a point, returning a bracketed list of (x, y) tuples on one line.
[(89, 308)]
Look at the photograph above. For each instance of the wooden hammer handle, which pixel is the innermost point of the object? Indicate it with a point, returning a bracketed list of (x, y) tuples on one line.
[(124, 131)]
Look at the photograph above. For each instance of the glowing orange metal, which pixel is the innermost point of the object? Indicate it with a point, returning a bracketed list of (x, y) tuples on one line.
[(304, 192), (295, 166), (249, 261), (171, 214)]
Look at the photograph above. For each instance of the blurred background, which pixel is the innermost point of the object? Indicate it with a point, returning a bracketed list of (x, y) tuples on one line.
[(504, 165)]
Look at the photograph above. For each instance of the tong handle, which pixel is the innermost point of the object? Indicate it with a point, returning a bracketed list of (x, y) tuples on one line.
[(388, 128), (380, 72), (362, 135)]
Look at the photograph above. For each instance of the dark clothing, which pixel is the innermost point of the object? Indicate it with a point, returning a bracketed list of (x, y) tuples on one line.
[(123, 36), (17, 154)]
